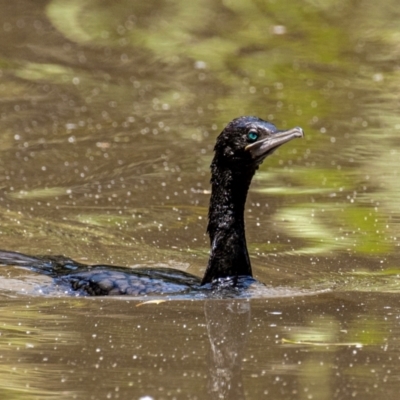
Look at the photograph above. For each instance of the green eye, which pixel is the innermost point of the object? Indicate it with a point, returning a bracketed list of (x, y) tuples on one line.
[(252, 136)]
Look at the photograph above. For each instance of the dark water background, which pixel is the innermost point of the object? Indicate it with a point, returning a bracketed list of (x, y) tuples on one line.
[(108, 115)]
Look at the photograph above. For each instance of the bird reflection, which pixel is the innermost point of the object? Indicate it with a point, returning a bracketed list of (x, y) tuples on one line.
[(228, 323)]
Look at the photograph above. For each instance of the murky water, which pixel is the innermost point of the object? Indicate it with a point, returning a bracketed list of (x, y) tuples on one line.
[(109, 112)]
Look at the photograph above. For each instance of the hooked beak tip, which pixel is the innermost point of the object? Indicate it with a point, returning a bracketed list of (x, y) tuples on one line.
[(298, 132)]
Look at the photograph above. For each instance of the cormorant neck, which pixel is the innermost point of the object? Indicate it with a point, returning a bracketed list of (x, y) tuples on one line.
[(229, 256)]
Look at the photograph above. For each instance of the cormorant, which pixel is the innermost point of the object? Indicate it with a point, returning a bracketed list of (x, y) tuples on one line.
[(240, 148)]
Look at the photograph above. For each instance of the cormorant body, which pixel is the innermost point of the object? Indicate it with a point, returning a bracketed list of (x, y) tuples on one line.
[(240, 148)]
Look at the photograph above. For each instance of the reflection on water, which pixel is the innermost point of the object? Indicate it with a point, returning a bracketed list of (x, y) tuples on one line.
[(282, 348), (109, 111), (228, 325)]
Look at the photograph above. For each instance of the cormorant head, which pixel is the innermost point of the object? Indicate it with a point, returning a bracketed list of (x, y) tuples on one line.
[(247, 141)]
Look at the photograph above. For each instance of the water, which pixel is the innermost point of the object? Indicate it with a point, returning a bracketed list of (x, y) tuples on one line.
[(109, 112)]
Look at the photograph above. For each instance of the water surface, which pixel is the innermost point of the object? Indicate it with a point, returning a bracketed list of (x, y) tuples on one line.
[(109, 112)]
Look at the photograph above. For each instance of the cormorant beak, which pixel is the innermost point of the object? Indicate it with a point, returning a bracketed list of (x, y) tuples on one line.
[(266, 146)]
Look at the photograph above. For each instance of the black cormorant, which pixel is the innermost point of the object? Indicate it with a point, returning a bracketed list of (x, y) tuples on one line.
[(241, 147)]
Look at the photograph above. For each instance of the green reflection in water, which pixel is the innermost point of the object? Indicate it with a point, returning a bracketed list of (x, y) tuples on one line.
[(39, 193), (49, 72), (29, 334), (360, 230)]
